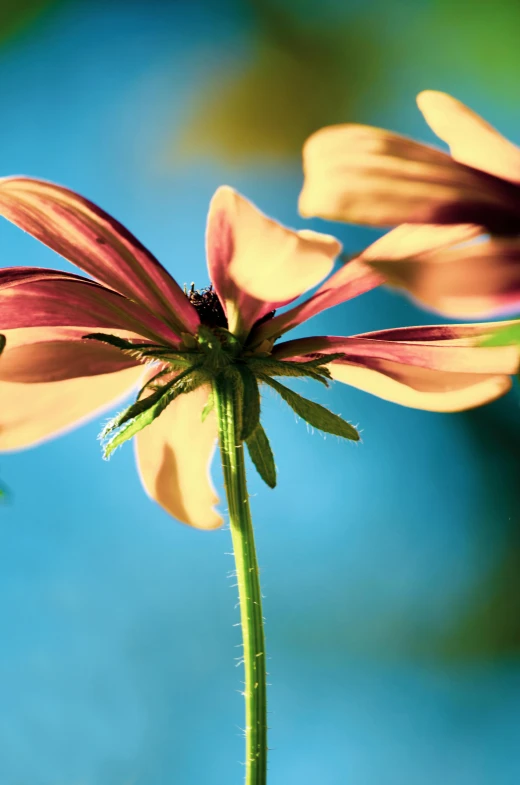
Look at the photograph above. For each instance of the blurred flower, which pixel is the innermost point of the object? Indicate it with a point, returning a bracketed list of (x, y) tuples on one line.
[(52, 377), (367, 175), (292, 82)]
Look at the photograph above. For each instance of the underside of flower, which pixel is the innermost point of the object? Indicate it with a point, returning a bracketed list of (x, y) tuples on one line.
[(217, 354)]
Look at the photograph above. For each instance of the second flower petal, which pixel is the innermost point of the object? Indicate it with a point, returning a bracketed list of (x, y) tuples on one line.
[(255, 263)]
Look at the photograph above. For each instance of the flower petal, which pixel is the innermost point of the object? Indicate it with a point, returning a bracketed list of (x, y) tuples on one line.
[(477, 280), (174, 454), (421, 388), (31, 357), (472, 140), (32, 413), (370, 176), (255, 263), (409, 240), (32, 297), (439, 368), (353, 279), (97, 243)]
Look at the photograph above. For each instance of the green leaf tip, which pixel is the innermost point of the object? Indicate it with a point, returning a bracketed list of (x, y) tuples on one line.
[(503, 336), (262, 456), (144, 411), (313, 413)]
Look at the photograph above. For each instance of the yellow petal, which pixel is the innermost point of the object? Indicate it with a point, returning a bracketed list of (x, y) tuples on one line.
[(409, 240), (422, 388), (365, 175), (32, 413), (174, 455), (256, 263), (471, 139)]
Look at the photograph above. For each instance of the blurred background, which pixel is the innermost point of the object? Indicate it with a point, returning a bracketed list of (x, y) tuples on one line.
[(391, 569)]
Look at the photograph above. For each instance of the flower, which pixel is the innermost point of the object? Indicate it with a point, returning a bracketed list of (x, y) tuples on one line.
[(75, 345), (448, 204)]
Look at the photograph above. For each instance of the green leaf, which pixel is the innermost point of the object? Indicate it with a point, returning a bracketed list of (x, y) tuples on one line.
[(262, 455), (250, 402), (144, 412), (503, 336), (137, 408), (313, 413)]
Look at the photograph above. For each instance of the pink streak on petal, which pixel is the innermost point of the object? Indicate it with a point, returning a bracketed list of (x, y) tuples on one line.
[(90, 238), (432, 374), (460, 352), (34, 298), (174, 454), (53, 359)]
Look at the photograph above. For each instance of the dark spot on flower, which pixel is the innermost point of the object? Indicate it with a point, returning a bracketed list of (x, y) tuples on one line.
[(101, 241), (208, 305)]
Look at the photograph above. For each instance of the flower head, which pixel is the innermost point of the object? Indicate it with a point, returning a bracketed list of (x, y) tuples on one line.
[(448, 205), (76, 345)]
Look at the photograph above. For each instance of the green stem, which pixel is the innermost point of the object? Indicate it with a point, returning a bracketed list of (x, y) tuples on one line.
[(227, 402)]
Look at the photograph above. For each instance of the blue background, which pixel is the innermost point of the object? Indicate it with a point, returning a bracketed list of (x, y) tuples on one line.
[(390, 569)]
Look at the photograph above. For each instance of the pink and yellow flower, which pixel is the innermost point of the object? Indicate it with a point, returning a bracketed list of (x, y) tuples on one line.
[(53, 378), (448, 205)]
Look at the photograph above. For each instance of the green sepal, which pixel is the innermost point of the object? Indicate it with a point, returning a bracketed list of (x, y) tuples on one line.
[(216, 358), (3, 341), (144, 412), (250, 402), (313, 413), (314, 369), (262, 456), (147, 352)]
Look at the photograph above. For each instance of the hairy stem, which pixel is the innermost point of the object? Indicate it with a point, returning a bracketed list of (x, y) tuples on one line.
[(228, 408)]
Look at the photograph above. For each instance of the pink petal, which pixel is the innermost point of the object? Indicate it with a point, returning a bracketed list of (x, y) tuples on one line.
[(256, 264), (353, 279), (477, 280), (31, 297), (370, 176), (31, 357), (432, 368), (472, 140), (32, 413), (98, 244), (174, 455)]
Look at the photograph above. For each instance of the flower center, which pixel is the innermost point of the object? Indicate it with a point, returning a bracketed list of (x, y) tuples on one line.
[(208, 305)]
